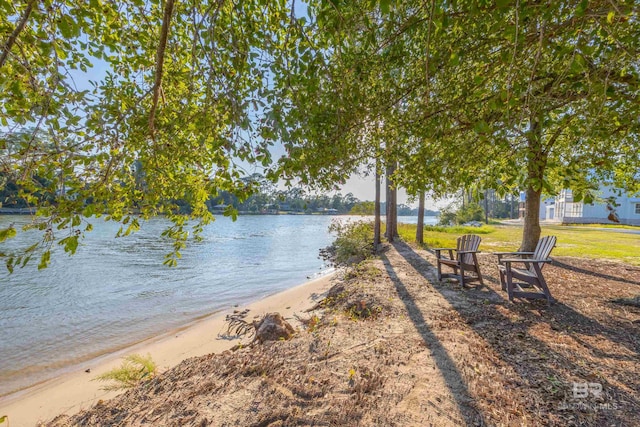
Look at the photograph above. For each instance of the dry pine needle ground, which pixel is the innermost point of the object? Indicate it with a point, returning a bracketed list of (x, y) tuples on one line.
[(392, 346)]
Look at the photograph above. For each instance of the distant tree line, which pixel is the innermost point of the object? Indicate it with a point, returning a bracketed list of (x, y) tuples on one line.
[(266, 198)]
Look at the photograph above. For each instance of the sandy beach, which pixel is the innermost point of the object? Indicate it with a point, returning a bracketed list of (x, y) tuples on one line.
[(76, 391)]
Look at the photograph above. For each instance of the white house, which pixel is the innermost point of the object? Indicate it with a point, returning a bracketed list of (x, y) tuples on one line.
[(564, 210), (547, 207)]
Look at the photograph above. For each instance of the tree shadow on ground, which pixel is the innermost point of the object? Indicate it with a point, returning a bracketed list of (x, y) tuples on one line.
[(560, 315), (446, 365), (593, 273), (522, 335)]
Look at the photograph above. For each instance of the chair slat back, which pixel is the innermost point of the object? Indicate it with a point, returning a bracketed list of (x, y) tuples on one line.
[(468, 242), (544, 247)]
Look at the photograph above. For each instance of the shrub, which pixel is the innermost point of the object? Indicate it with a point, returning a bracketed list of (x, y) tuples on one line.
[(452, 216), (134, 370), (447, 216), (469, 212), (354, 242)]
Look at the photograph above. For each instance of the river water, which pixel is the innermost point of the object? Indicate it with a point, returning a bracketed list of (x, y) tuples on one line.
[(116, 292)]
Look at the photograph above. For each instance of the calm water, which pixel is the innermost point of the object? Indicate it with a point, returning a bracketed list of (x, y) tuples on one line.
[(115, 292)]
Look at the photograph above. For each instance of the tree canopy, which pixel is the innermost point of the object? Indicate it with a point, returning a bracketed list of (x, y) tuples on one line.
[(182, 102), (507, 95)]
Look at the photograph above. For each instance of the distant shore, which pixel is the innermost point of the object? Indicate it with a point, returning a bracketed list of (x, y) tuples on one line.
[(30, 211), (75, 391), (16, 211)]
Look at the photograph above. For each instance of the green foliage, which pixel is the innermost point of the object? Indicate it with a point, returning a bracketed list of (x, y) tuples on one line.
[(105, 148), (134, 370), (452, 215), (354, 241), (7, 233), (363, 208), (447, 216), (467, 94), (469, 212)]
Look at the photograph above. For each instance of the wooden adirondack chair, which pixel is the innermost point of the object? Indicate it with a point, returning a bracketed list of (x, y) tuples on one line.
[(532, 283), (464, 260)]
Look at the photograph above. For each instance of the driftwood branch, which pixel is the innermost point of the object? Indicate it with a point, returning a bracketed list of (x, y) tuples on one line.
[(164, 34), (16, 32)]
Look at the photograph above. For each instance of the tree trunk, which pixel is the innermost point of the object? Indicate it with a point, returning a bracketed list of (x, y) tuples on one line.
[(387, 205), (511, 200), (486, 207), (420, 226), (392, 228), (394, 211), (531, 230), (376, 224), (536, 165)]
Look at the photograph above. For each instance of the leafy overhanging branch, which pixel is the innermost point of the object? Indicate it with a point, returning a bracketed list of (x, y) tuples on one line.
[(162, 45), (16, 32)]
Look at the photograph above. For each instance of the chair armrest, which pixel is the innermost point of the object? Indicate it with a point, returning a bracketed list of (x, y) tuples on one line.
[(469, 252), (522, 255), (513, 253), (510, 260), (444, 249)]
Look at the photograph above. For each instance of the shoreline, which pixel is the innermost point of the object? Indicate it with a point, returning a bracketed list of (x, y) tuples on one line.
[(74, 391), (98, 356)]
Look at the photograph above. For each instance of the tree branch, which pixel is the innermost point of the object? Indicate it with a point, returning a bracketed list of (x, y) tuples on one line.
[(16, 32), (164, 34)]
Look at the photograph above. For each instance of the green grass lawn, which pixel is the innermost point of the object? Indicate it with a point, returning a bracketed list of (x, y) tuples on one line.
[(578, 241)]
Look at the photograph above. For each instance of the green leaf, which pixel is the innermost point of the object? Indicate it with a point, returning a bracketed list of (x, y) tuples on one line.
[(66, 27), (7, 233), (482, 127), (26, 260), (62, 54), (582, 7), (454, 58), (385, 6), (70, 244), (88, 211), (133, 227), (44, 260), (610, 17)]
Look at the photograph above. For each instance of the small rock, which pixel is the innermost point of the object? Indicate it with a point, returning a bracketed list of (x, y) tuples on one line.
[(273, 327)]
